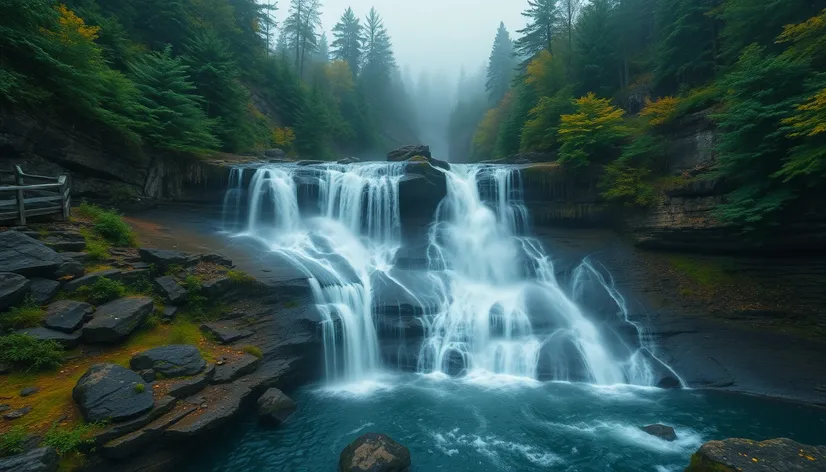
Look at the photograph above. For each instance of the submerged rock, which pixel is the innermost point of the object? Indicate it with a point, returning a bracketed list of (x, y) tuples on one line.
[(661, 431), (44, 459), (109, 392), (275, 407), (374, 452), (745, 455)]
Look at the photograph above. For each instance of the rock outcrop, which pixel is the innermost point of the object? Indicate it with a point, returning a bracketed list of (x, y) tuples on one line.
[(744, 455), (116, 320), (26, 256), (13, 290), (178, 360), (109, 392), (44, 459), (67, 315), (170, 290), (374, 452)]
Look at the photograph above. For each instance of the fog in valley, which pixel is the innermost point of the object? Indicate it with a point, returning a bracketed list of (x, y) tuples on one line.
[(441, 48)]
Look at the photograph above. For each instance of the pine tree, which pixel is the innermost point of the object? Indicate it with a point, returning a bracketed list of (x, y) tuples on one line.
[(347, 45), (500, 66), (543, 22), (597, 57), (569, 10), (378, 51), (301, 25), (687, 44), (174, 118), (215, 75), (322, 55)]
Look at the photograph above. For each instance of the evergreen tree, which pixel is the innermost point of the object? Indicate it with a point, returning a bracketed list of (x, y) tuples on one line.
[(301, 25), (378, 52), (322, 55), (543, 21), (597, 57), (687, 44), (509, 139), (347, 45), (174, 118), (215, 75), (500, 66), (569, 9)]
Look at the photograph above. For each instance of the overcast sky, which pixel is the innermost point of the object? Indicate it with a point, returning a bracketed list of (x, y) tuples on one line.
[(440, 36)]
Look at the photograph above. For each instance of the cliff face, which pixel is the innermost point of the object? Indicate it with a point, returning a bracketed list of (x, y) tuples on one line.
[(101, 167)]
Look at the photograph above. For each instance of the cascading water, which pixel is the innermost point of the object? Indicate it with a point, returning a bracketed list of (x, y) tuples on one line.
[(490, 299)]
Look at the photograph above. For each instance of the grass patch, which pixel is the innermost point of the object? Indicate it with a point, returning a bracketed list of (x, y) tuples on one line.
[(26, 353), (27, 315), (140, 388), (97, 248), (707, 273), (69, 439), (174, 270), (253, 350), (54, 400), (12, 441), (102, 291), (108, 224)]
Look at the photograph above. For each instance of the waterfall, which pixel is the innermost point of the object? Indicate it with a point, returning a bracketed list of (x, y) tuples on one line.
[(493, 301)]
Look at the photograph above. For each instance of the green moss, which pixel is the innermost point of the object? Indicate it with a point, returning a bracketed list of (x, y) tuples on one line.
[(700, 464), (253, 350), (708, 273), (240, 278)]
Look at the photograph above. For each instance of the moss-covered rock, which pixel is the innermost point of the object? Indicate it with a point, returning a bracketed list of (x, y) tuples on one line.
[(745, 455)]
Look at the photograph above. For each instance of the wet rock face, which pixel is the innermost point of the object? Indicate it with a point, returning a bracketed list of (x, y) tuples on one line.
[(744, 455), (26, 256), (374, 452), (406, 152), (275, 407), (661, 431), (109, 392)]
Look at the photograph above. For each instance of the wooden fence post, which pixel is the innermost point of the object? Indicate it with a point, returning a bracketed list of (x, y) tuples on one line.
[(21, 202), (64, 197)]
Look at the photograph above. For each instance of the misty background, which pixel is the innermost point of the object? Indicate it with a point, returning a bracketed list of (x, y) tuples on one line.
[(441, 47)]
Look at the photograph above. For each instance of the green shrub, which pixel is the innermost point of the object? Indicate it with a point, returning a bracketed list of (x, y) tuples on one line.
[(68, 440), (27, 315), (174, 270), (105, 290), (27, 353), (253, 350), (12, 441), (140, 388), (152, 321), (109, 225)]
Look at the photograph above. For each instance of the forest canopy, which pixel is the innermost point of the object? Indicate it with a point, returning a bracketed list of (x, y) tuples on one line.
[(199, 76), (601, 83)]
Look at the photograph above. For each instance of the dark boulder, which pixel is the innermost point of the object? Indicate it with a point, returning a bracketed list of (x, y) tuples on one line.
[(275, 153), (67, 315), (170, 290), (661, 431), (225, 334), (43, 290), (191, 386), (217, 259), (234, 370), (169, 313), (217, 287), (111, 392), (164, 258), (177, 360), (406, 152), (275, 407), (374, 452), (75, 256), (67, 340), (44, 459), (70, 269), (136, 276), (26, 256), (13, 290), (90, 279), (745, 455), (116, 320)]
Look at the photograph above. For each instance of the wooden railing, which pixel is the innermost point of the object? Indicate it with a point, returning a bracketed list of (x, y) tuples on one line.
[(24, 195)]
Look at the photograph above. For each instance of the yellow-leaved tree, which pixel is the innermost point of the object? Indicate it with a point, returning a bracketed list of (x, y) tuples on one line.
[(660, 112), (484, 141), (592, 133)]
